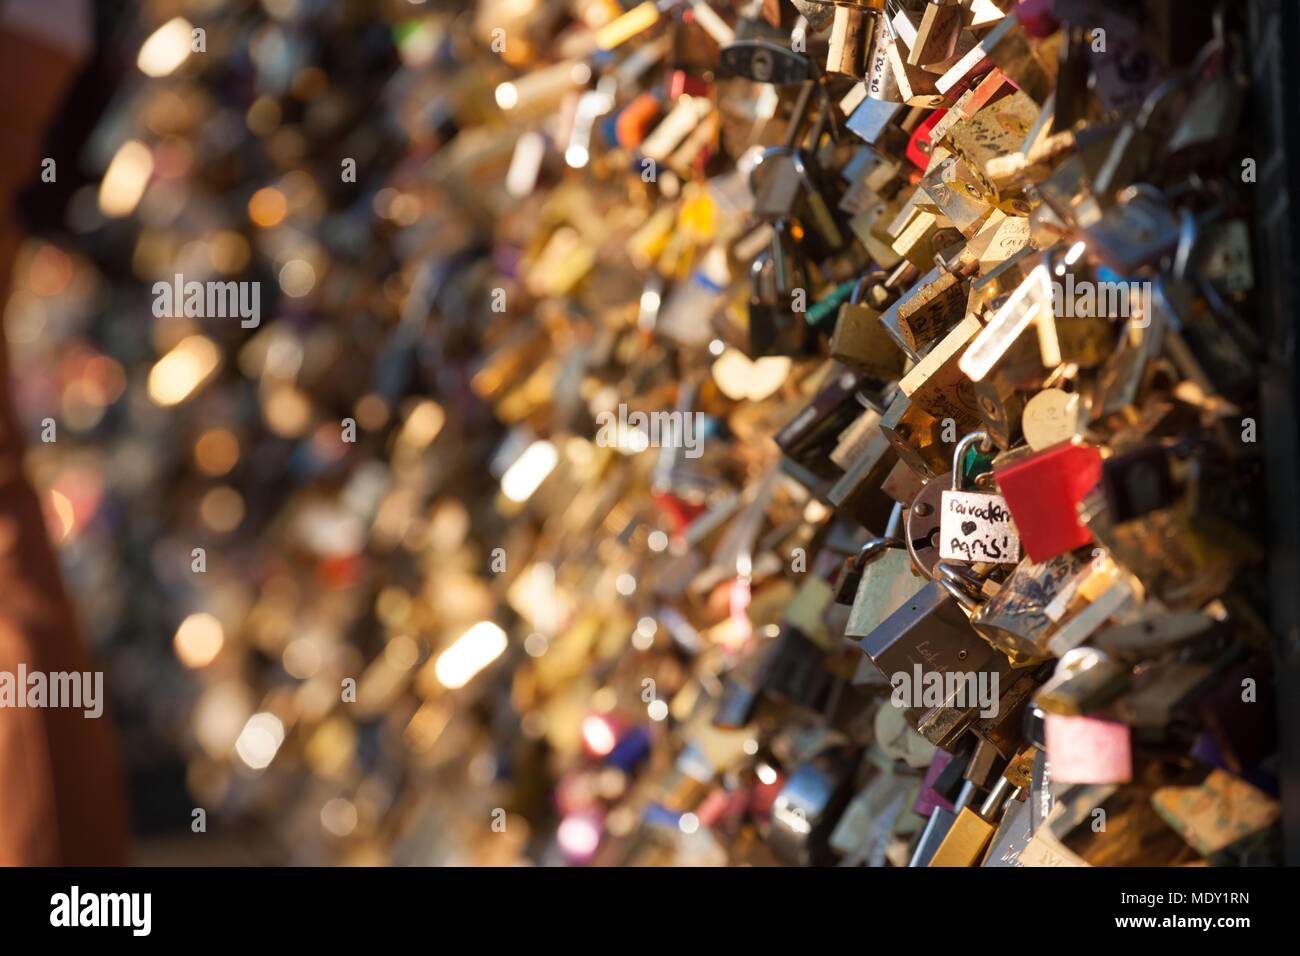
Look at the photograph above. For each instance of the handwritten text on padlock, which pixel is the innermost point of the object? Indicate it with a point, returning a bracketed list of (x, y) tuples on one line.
[(977, 527)]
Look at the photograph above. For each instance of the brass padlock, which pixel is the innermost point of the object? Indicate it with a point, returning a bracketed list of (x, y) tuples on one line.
[(860, 340)]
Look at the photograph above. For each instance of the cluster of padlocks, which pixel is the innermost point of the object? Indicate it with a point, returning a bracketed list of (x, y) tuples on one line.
[(894, 367)]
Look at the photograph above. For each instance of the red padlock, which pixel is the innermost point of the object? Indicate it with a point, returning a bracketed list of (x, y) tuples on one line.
[(919, 146), (1043, 493)]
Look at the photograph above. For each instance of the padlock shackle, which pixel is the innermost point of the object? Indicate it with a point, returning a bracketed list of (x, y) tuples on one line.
[(771, 152), (986, 445), (958, 593), (874, 550), (961, 575), (994, 798), (875, 277), (1189, 231), (895, 523)]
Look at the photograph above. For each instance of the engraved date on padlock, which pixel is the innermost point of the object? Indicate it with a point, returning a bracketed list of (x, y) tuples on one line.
[(977, 527)]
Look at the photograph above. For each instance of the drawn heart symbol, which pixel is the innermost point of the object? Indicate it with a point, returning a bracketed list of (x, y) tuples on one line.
[(968, 527)]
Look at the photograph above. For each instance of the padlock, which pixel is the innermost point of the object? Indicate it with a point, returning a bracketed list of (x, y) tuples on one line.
[(850, 577), (766, 61), (1070, 98), (1016, 619), (1012, 836), (880, 82), (929, 310), (876, 815), (1206, 339), (886, 583), (985, 766), (1221, 811), (937, 385), (1003, 730), (1007, 47), (975, 526), (1183, 553), (930, 630), (921, 524), (858, 494), (1051, 417), (927, 645), (921, 235), (1086, 679), (936, 34), (1087, 750), (1155, 634), (903, 484), (996, 129), (938, 826), (809, 805), (923, 149), (794, 671), (846, 53), (916, 87), (873, 121), (1003, 344), (861, 341), (956, 193), (1001, 409), (971, 832), (928, 798), (1135, 232), (775, 328), (1043, 492), (918, 437), (814, 431), (774, 180), (1103, 592)]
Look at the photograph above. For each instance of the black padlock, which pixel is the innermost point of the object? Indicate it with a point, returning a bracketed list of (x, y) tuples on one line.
[(778, 280), (762, 61)]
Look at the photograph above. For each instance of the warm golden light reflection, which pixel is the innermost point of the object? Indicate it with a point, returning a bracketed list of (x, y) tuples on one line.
[(179, 373), (301, 658), (199, 640), (287, 411), (267, 207), (474, 650), (125, 179), (222, 509), (297, 278), (598, 734), (216, 452), (229, 252), (371, 412), (528, 471), (507, 96), (260, 740), (422, 425), (63, 513), (339, 817), (50, 271), (166, 48)]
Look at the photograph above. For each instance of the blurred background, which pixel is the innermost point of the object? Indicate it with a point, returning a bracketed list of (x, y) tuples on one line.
[(248, 517)]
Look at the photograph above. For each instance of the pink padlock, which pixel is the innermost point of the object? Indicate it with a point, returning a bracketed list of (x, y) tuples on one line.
[(1087, 750)]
